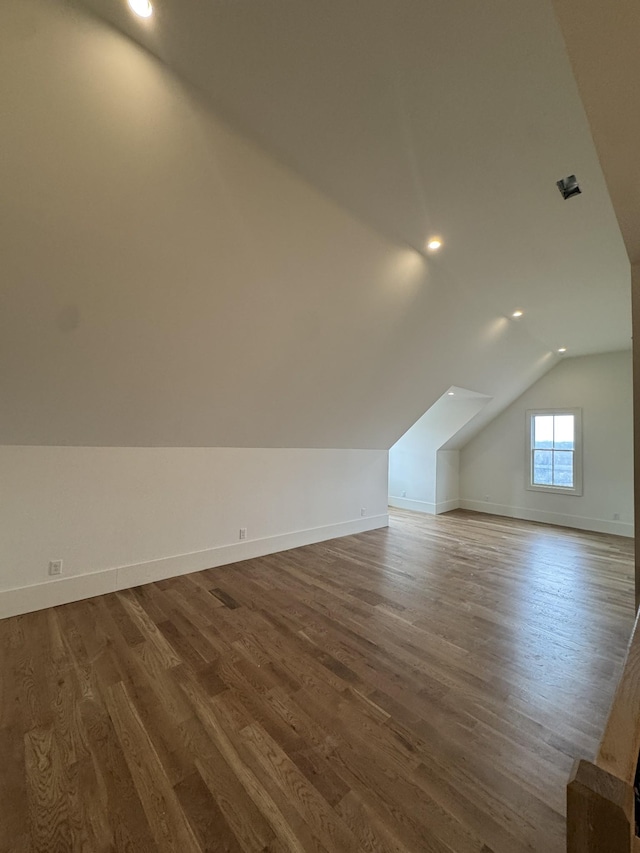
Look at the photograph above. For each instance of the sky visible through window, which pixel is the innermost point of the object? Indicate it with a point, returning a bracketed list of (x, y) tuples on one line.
[(553, 449)]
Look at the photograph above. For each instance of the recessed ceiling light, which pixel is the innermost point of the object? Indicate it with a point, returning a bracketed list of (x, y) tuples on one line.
[(451, 393), (434, 244), (142, 8), (517, 314), (562, 349)]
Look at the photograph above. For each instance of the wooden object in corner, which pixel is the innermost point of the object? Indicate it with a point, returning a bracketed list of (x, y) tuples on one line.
[(600, 811), (600, 796)]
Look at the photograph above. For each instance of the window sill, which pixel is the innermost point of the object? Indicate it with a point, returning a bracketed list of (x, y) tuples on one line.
[(555, 490)]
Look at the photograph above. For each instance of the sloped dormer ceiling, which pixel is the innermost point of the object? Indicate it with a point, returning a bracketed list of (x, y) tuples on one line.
[(168, 281)]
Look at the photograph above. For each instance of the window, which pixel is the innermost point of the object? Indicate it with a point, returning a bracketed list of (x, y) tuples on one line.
[(554, 451)]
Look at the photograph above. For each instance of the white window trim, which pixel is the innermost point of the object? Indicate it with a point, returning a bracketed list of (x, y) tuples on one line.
[(577, 452)]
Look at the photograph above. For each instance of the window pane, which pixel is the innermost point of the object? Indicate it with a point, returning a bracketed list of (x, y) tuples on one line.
[(553, 443), (543, 431), (542, 468), (563, 432), (563, 468)]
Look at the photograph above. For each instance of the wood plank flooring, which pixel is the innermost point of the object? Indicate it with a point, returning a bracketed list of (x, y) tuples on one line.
[(419, 688)]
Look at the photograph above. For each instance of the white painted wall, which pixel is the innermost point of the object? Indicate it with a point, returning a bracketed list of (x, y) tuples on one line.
[(123, 516), (447, 480), (492, 465)]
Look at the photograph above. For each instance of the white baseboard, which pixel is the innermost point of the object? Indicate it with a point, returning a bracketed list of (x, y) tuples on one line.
[(447, 506), (416, 506), (26, 599), (424, 506), (598, 525)]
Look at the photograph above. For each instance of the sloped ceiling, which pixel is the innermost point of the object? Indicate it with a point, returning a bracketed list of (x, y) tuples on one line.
[(440, 426), (166, 282), (423, 117), (603, 43)]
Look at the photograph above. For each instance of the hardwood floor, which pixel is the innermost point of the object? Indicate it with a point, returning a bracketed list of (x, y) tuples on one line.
[(420, 688)]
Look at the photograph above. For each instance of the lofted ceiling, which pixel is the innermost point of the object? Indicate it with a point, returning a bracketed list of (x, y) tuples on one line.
[(602, 41), (227, 247), (424, 117)]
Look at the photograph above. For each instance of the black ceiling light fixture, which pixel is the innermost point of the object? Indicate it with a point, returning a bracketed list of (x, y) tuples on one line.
[(569, 187)]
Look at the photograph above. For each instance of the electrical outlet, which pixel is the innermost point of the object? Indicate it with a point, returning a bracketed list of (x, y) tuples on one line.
[(404, 493), (55, 567), (616, 516), (363, 512), (243, 533), (486, 497)]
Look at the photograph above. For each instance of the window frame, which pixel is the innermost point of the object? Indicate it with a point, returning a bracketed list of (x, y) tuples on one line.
[(577, 452)]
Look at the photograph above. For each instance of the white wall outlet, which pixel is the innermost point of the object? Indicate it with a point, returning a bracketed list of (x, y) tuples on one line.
[(243, 533), (486, 497), (55, 567), (404, 493), (363, 511), (616, 516)]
